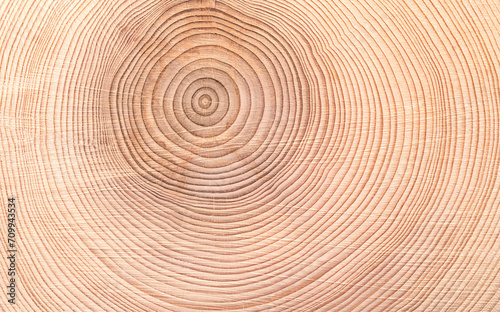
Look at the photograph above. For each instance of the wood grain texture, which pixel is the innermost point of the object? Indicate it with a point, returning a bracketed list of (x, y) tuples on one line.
[(257, 155)]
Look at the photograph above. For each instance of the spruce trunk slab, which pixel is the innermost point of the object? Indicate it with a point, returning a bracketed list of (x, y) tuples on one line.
[(257, 155)]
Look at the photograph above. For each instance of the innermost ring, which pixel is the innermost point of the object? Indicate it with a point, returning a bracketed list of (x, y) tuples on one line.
[(205, 101)]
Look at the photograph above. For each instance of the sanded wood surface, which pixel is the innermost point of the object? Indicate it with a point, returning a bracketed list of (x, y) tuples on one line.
[(257, 155)]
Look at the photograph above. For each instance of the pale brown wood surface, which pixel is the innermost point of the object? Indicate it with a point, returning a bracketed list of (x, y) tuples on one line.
[(270, 155)]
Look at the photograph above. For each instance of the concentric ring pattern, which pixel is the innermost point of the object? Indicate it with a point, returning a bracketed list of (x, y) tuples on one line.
[(211, 101), (252, 155)]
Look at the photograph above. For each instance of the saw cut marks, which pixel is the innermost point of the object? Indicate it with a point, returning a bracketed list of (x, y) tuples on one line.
[(252, 155)]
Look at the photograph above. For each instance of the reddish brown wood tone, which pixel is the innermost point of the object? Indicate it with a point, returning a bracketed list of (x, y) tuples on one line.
[(323, 155)]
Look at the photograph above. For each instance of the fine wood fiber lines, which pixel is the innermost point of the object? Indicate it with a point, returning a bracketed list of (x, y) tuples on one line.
[(250, 155)]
